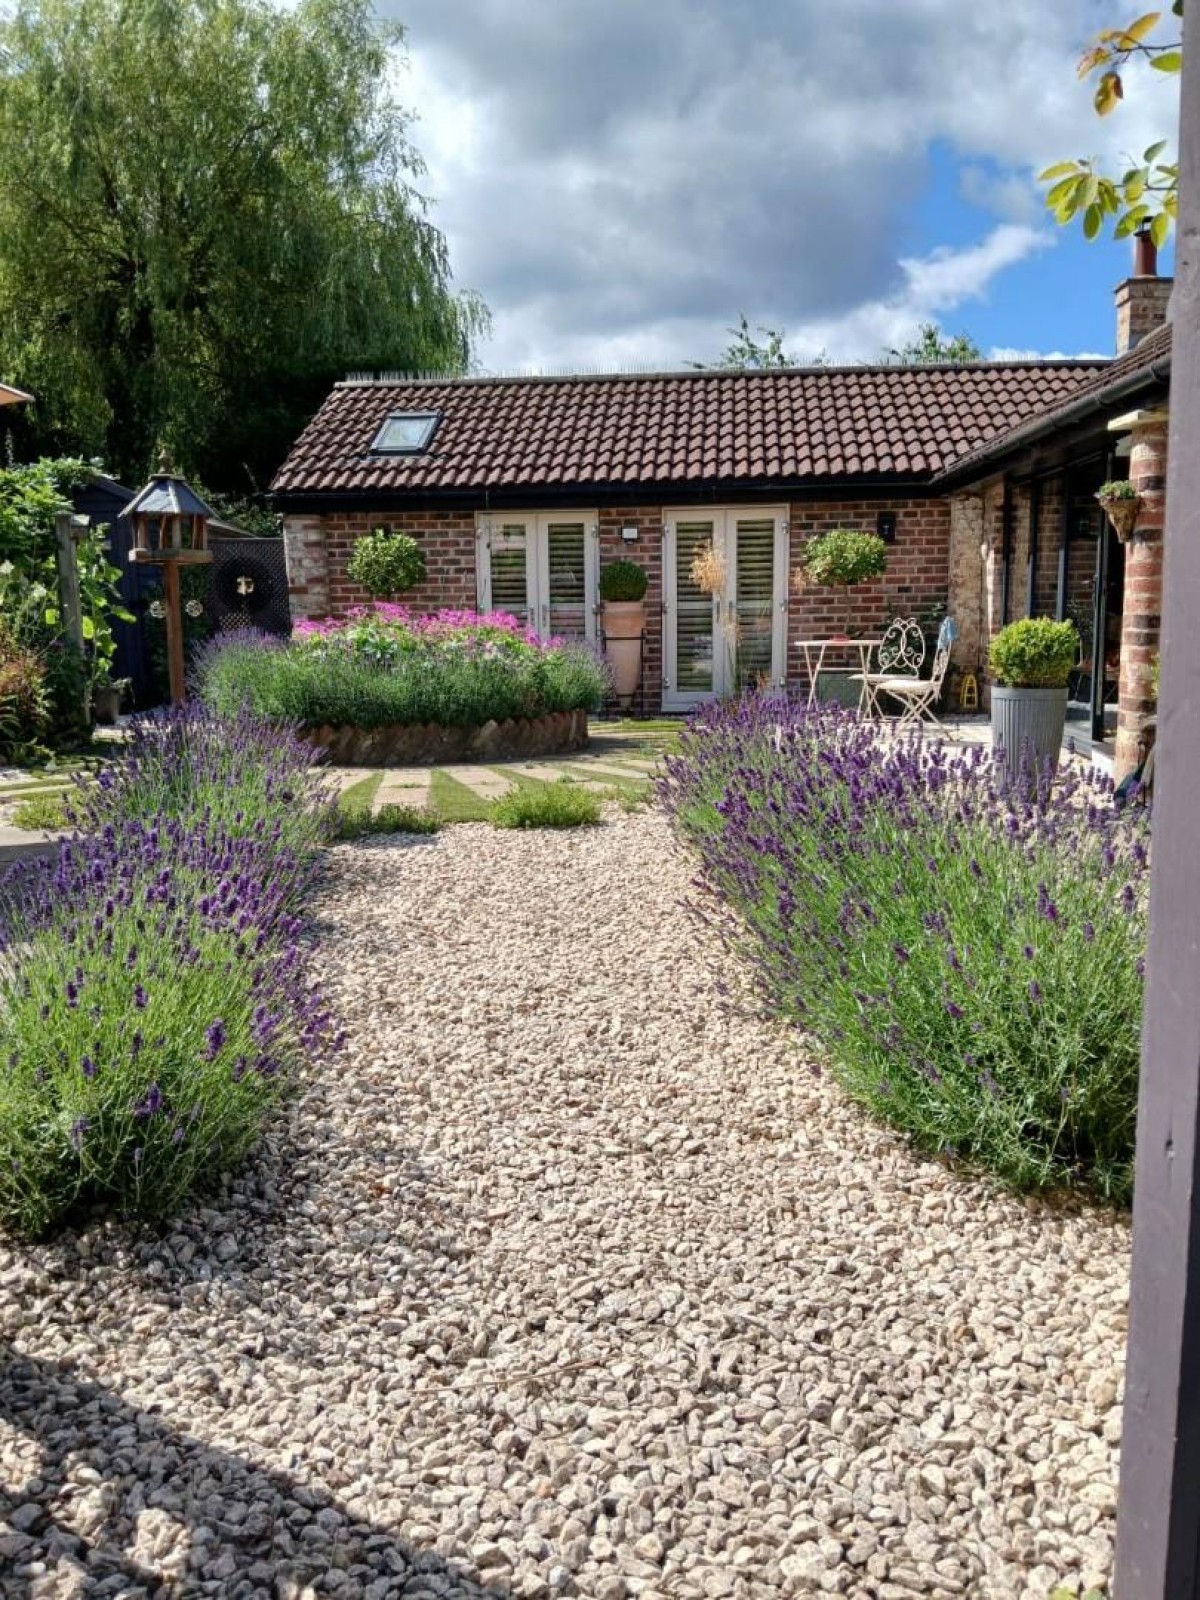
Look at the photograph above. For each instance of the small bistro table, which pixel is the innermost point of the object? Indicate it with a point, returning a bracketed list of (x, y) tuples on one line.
[(814, 663)]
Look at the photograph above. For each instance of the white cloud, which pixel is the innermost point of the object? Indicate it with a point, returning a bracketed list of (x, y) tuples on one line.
[(621, 179)]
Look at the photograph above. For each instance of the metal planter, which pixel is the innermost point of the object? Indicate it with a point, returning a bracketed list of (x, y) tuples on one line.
[(1030, 721)]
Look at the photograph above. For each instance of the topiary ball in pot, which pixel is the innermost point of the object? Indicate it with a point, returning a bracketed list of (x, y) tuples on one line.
[(1030, 662), (623, 587), (386, 564)]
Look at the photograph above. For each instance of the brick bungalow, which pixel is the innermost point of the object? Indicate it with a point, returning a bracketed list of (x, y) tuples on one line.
[(980, 477)]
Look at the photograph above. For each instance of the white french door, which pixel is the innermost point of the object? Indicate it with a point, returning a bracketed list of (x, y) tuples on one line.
[(541, 566), (735, 637)]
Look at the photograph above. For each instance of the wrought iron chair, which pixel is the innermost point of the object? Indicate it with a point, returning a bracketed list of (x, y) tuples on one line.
[(918, 696), (901, 653)]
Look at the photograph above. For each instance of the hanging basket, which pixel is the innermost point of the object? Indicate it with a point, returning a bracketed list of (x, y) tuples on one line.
[(1123, 512)]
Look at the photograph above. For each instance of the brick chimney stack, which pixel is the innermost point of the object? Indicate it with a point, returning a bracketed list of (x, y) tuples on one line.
[(1142, 300)]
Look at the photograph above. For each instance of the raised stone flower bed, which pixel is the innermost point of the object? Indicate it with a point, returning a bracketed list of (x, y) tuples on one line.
[(419, 744)]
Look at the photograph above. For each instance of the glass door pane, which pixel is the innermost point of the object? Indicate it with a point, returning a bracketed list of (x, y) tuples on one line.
[(750, 629), (694, 667), (512, 587), (566, 608)]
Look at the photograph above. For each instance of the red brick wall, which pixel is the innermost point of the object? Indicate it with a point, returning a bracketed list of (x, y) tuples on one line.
[(446, 537), (1050, 531), (915, 584), (1141, 618), (646, 550)]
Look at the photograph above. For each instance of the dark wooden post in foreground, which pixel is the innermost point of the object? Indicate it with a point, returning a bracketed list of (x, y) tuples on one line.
[(170, 530), (1158, 1518)]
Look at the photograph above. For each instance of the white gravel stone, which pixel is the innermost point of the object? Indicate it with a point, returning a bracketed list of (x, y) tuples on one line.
[(572, 1279)]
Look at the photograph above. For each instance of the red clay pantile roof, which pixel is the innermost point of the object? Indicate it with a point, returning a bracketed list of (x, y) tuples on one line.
[(671, 429)]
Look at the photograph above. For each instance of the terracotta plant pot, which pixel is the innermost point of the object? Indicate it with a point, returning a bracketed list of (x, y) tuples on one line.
[(624, 624), (1123, 513)]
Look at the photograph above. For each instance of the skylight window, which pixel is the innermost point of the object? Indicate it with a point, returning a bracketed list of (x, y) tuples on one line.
[(406, 433)]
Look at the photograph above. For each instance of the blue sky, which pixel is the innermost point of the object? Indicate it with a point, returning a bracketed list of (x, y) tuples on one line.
[(1056, 299), (620, 179)]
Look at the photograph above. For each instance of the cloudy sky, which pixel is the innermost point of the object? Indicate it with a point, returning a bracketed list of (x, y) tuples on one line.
[(620, 179)]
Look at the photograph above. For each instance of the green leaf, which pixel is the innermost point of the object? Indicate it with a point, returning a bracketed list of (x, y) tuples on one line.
[(1155, 150), (1160, 229), (89, 628), (1059, 192), (51, 617), (1168, 61), (1093, 221), (1062, 168), (1130, 220)]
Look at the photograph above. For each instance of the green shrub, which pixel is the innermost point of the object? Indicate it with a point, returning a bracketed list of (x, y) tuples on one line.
[(623, 580), (553, 805), (386, 564), (1034, 653), (25, 704), (41, 813), (845, 556), (360, 822), (1117, 489), (964, 950)]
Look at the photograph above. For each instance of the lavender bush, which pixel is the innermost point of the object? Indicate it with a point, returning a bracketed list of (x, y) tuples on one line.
[(241, 771), (154, 1005), (967, 950)]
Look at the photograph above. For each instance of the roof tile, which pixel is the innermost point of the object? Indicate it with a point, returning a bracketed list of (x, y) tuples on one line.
[(818, 422)]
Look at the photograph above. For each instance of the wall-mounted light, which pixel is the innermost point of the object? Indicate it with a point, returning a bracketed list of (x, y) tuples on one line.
[(885, 526), (630, 532)]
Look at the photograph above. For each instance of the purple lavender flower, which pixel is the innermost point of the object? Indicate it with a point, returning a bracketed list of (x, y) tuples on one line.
[(78, 1129), (88, 1067), (1035, 992), (151, 1105), (955, 1012), (140, 998), (214, 1036)]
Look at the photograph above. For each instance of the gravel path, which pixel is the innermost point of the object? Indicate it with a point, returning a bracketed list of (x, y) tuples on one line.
[(576, 1281)]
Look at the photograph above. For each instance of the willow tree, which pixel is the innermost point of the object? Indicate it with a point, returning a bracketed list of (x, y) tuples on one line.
[(208, 210)]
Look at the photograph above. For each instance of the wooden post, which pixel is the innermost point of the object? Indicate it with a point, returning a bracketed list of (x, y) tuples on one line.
[(1158, 1517), (68, 577), (174, 632)]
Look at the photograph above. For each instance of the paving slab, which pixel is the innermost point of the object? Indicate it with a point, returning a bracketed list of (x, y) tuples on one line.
[(611, 768), (18, 844), (543, 771), (486, 782), (398, 789)]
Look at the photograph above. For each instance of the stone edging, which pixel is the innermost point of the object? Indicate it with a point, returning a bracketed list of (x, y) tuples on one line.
[(427, 744)]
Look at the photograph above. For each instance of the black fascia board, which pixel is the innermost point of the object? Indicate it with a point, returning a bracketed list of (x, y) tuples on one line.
[(483, 496)]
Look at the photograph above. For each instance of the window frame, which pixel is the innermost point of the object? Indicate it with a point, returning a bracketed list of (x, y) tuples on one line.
[(432, 421)]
